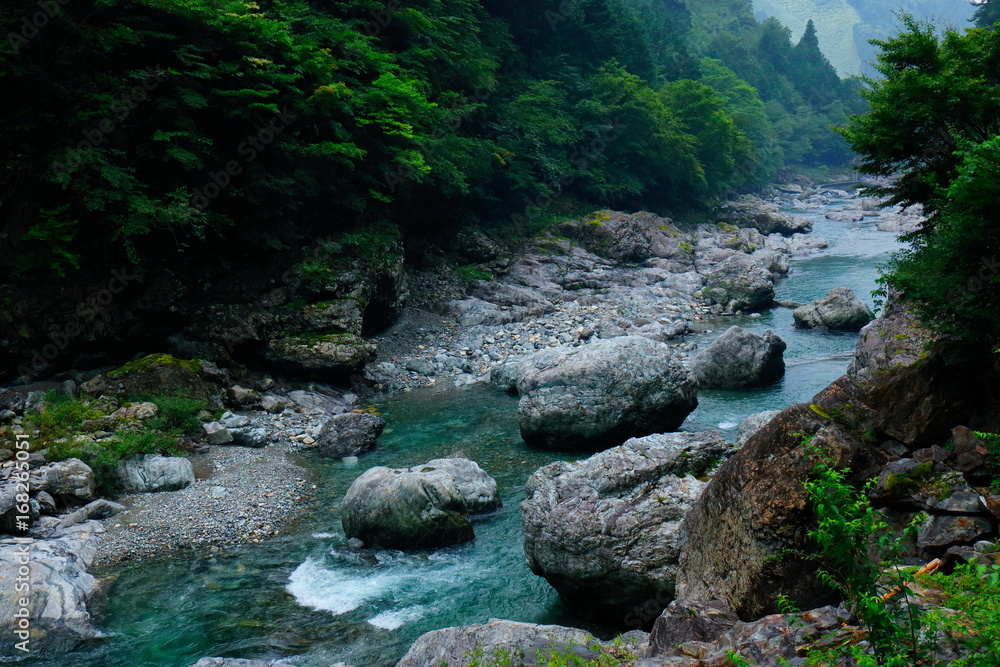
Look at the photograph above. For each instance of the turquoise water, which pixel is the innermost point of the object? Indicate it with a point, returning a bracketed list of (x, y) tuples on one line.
[(306, 596)]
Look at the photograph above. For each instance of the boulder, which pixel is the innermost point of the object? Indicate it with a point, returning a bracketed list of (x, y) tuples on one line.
[(349, 434), (96, 509), (690, 620), (597, 396), (739, 283), (242, 662), (623, 237), (70, 480), (148, 473), (11, 506), (752, 424), (839, 310), (216, 433), (61, 587), (765, 217), (424, 506), (521, 642), (606, 532), (745, 529), (738, 359), (504, 377), (157, 374), (496, 303), (338, 354)]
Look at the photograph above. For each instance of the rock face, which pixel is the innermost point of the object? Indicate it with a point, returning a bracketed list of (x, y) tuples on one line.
[(158, 374), (605, 532), (61, 587), (337, 354), (599, 395), (756, 507), (752, 424), (349, 434), (739, 359), (425, 506), (70, 480), (150, 472), (839, 310)]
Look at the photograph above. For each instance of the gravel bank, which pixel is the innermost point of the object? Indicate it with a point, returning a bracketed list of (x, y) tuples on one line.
[(250, 495)]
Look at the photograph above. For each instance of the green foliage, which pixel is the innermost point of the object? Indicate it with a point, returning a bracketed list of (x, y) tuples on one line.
[(935, 118), (558, 655), (473, 272), (105, 456), (176, 415), (972, 590)]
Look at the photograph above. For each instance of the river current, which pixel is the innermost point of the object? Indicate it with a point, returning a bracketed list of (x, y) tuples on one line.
[(308, 597)]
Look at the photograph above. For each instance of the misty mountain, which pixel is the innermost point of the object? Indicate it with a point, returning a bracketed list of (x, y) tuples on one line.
[(846, 26)]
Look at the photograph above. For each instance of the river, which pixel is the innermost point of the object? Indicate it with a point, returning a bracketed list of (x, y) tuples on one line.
[(306, 596)]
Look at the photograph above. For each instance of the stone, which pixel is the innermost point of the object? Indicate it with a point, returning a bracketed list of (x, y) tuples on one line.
[(338, 354), (61, 587), (493, 304), (606, 532), (46, 503), (739, 283), (217, 434), (134, 412), (71, 480), (839, 310), (10, 508), (944, 530), (96, 509), (349, 434), (504, 377), (451, 647), (599, 395), (153, 375), (752, 424), (241, 662), (766, 217), (148, 473), (425, 506), (421, 366), (755, 513), (242, 397), (690, 620), (273, 403), (251, 436), (740, 359)]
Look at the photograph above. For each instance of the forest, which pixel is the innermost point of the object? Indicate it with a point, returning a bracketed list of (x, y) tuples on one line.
[(146, 129)]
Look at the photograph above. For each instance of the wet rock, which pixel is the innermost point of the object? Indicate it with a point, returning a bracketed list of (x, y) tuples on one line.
[(148, 473), (504, 377), (605, 532), (425, 506), (349, 434), (601, 394), (335, 353), (839, 310), (738, 359), (240, 662), (451, 647), (61, 586), (752, 424)]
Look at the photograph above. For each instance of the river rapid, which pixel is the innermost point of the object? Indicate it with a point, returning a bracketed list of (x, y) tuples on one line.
[(306, 596)]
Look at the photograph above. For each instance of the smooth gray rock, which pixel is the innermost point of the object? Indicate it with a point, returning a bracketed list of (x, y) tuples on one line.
[(424, 506), (946, 530), (61, 587), (606, 532), (251, 436), (148, 473), (273, 403), (97, 509), (738, 359), (504, 377), (451, 647), (217, 434), (752, 424), (766, 217), (839, 310), (739, 283), (70, 479), (349, 434), (599, 395), (495, 303)]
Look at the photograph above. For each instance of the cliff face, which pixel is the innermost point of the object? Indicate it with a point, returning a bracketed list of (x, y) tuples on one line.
[(845, 26)]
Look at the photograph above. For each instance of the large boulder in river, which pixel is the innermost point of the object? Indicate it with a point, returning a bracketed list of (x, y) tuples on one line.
[(739, 359), (599, 395), (60, 585), (149, 473), (349, 434), (520, 643), (839, 310), (739, 282), (424, 506), (605, 532), (766, 217)]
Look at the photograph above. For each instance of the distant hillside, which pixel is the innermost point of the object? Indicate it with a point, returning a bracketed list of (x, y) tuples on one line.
[(845, 26)]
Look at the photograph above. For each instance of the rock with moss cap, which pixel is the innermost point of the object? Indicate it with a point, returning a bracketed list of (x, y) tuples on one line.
[(158, 374), (338, 354)]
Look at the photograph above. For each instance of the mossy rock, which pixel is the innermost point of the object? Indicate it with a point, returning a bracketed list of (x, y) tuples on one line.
[(155, 374), (333, 353)]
